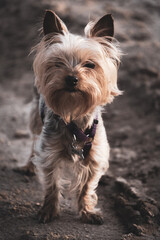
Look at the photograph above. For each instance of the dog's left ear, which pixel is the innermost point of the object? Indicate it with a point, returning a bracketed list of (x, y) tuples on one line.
[(53, 24), (104, 27)]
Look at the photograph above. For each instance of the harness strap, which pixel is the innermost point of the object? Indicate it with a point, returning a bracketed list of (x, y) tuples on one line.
[(87, 136)]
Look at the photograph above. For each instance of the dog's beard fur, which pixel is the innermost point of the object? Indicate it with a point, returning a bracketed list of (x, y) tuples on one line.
[(67, 54)]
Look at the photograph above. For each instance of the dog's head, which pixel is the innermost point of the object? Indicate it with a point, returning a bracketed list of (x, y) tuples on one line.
[(73, 73)]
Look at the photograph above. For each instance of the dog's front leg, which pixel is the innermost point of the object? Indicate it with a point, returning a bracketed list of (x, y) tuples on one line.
[(88, 200), (50, 208)]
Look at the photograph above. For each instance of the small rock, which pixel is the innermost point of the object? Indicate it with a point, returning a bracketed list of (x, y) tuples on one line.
[(37, 204), (120, 201), (124, 186), (128, 236), (138, 230), (21, 134), (106, 179), (147, 209)]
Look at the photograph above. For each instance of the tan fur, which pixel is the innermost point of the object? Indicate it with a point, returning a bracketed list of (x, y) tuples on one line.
[(96, 87), (62, 54)]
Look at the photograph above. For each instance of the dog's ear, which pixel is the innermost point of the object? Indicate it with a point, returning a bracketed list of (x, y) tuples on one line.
[(53, 24), (104, 27)]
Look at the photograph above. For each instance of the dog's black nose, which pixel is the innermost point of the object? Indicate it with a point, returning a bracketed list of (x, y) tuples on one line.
[(71, 81)]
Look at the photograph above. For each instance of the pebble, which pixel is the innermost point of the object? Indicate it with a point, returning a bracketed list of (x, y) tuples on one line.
[(21, 134)]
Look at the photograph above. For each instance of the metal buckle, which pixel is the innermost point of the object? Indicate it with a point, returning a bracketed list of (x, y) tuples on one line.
[(77, 148)]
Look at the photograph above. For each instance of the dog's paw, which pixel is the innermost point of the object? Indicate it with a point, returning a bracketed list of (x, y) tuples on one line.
[(47, 214), (92, 218)]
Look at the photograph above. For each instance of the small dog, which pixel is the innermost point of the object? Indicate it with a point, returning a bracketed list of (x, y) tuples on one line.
[(75, 77)]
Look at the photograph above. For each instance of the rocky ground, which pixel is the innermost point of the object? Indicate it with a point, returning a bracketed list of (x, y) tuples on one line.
[(130, 193)]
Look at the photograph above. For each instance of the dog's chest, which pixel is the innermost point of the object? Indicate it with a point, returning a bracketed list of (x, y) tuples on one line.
[(68, 175)]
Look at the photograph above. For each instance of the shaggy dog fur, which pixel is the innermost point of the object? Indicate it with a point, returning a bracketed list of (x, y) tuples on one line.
[(75, 76)]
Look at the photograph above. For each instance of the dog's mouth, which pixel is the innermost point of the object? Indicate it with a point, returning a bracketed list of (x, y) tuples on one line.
[(74, 92), (70, 90)]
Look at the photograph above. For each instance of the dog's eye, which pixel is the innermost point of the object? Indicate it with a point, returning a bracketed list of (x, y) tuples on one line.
[(89, 65), (59, 64)]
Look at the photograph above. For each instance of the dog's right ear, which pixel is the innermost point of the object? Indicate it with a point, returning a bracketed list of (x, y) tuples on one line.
[(53, 24)]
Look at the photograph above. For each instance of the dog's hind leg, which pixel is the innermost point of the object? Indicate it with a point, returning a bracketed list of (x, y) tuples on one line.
[(35, 128)]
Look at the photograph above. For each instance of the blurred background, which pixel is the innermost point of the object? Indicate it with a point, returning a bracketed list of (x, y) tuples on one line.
[(132, 121)]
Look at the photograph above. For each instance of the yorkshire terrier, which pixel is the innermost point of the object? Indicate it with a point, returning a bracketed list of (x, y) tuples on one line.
[(74, 77)]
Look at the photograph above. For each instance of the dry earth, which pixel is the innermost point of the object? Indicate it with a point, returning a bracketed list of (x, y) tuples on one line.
[(130, 193)]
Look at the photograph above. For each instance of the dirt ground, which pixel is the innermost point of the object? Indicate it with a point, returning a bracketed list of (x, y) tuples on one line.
[(129, 194)]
